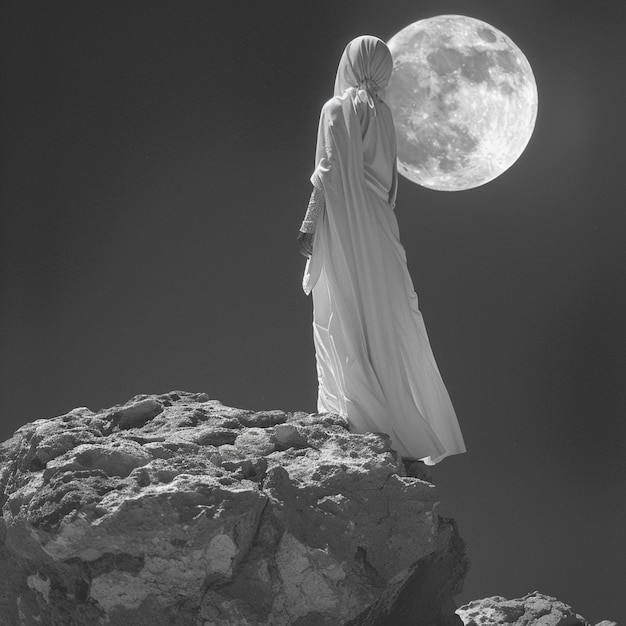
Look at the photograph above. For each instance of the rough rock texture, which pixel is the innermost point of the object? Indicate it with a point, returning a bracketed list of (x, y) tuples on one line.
[(535, 609), (177, 510)]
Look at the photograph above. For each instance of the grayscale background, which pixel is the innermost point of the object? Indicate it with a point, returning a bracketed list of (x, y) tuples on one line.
[(154, 165)]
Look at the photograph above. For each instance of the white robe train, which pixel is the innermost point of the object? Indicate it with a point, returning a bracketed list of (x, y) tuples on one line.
[(374, 361)]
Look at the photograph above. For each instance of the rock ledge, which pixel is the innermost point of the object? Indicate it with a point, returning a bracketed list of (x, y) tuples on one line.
[(175, 509)]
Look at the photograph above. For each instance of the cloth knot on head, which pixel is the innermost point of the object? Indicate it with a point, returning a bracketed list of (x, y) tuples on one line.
[(364, 91)]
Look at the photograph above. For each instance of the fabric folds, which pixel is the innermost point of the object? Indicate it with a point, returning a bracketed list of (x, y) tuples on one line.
[(374, 361)]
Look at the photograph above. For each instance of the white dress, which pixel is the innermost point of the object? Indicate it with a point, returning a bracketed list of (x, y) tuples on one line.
[(374, 361)]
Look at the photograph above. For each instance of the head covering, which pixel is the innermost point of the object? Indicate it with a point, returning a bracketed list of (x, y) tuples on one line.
[(366, 65)]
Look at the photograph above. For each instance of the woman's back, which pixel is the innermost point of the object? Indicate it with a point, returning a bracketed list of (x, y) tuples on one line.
[(379, 146)]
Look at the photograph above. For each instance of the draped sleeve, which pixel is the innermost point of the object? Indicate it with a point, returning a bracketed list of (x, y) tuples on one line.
[(332, 152), (331, 137), (346, 179)]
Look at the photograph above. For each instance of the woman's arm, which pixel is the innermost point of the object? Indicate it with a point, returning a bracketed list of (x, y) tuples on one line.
[(314, 210)]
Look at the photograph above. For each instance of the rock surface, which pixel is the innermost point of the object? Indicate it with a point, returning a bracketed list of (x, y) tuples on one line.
[(535, 609), (175, 509)]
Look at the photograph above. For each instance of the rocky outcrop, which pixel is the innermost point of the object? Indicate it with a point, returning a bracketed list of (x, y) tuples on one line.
[(535, 609), (175, 509)]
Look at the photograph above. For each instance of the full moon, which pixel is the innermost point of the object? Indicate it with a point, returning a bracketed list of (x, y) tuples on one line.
[(464, 101)]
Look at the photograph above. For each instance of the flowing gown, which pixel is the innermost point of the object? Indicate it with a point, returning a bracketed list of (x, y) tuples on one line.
[(375, 365)]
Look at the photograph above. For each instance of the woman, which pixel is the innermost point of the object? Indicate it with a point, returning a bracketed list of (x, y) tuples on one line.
[(374, 362)]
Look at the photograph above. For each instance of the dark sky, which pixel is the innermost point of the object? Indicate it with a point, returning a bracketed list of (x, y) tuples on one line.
[(155, 159)]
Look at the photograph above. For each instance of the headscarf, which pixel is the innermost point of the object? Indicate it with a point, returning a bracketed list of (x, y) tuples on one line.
[(365, 65)]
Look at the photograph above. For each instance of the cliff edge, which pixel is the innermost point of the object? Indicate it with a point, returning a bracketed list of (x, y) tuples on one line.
[(175, 509)]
